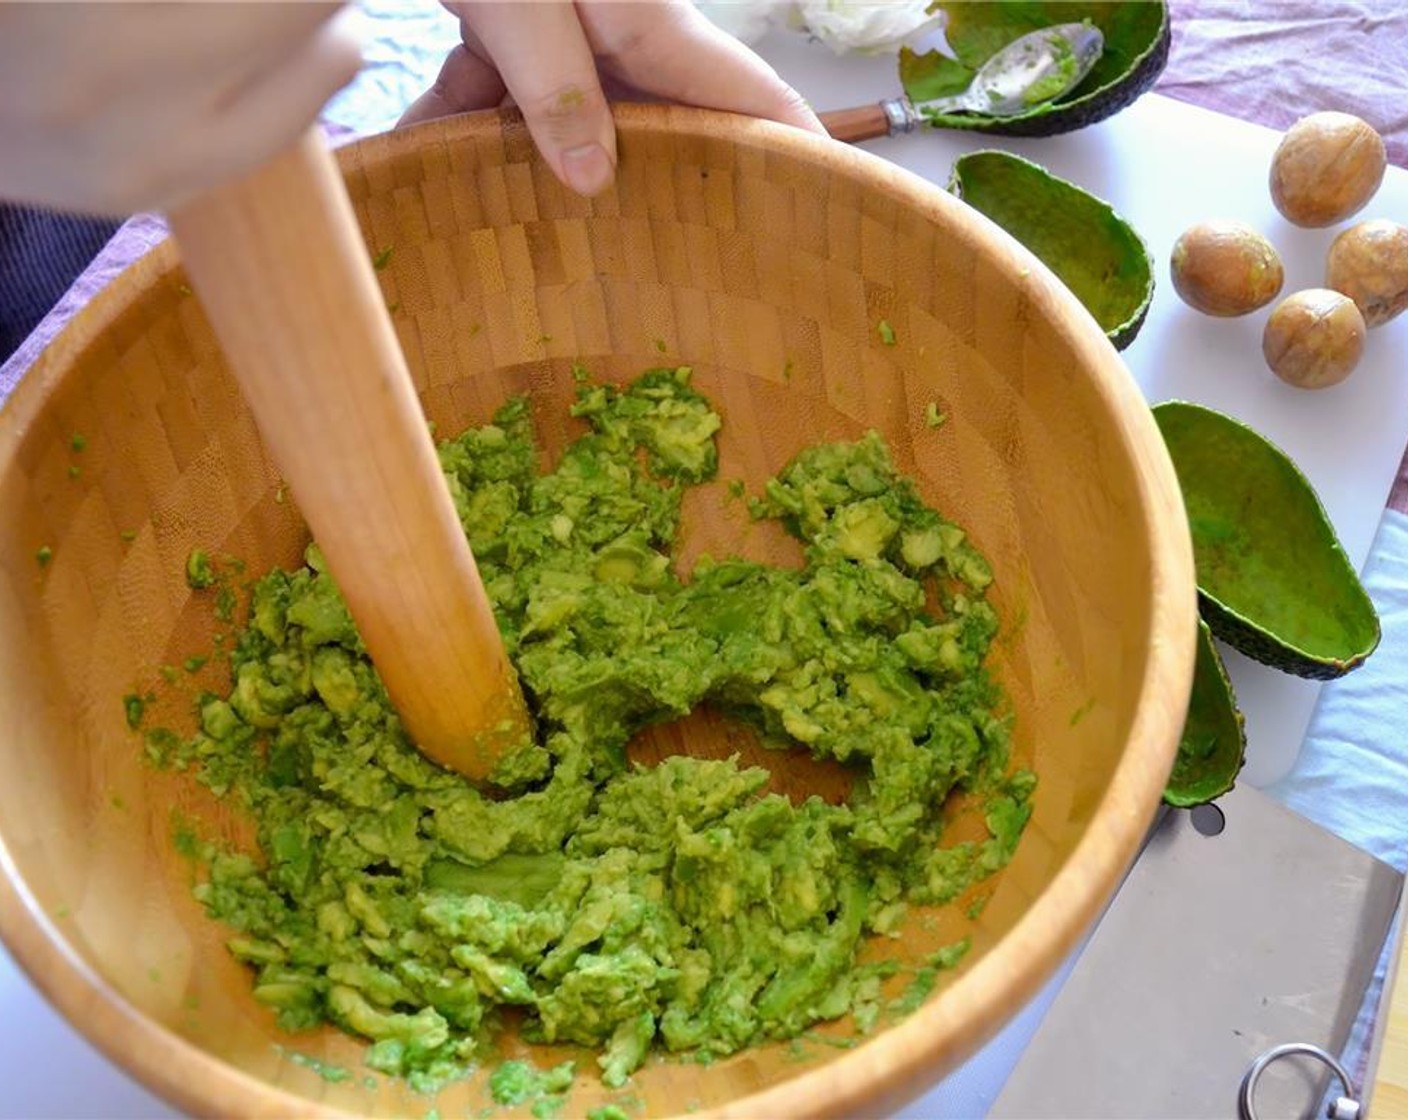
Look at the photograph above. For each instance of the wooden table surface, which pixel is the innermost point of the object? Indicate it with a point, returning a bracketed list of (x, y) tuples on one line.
[(1387, 1092)]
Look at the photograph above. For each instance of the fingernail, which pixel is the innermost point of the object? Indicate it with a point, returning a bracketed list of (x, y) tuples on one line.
[(587, 169)]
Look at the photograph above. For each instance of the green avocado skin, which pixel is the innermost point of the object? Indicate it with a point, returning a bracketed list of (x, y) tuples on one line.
[(1126, 332), (1090, 247), (1109, 93), (1214, 742), (1098, 108), (1273, 580), (1246, 637)]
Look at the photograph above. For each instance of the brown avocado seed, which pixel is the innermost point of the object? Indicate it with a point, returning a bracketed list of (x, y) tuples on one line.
[(1369, 263), (1225, 268), (1313, 338), (1327, 167)]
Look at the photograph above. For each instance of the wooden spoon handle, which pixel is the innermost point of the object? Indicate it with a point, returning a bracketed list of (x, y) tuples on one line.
[(279, 264), (864, 122)]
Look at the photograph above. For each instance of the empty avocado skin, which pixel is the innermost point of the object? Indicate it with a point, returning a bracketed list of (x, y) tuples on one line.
[(1095, 252), (1137, 38), (1214, 742), (1273, 579)]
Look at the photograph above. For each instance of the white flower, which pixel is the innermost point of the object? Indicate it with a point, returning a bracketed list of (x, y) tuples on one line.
[(871, 26)]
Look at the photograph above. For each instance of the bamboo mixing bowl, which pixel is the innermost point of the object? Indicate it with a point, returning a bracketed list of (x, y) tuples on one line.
[(765, 259)]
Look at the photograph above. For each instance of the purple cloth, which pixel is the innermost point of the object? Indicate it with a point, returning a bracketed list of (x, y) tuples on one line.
[(1275, 63)]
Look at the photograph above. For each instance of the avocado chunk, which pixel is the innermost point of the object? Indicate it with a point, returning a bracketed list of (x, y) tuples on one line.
[(1214, 742), (1094, 251), (1273, 580), (1137, 37)]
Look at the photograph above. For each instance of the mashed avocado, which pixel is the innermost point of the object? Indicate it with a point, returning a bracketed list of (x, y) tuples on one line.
[(621, 907)]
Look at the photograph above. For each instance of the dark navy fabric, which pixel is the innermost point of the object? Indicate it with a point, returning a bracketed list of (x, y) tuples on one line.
[(41, 254)]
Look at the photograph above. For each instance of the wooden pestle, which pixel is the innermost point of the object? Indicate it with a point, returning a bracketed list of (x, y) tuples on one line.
[(280, 266)]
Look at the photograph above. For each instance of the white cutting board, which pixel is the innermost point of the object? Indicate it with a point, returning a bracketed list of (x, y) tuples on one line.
[(1165, 165)]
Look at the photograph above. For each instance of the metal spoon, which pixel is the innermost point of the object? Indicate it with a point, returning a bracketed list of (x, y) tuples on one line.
[(1031, 70)]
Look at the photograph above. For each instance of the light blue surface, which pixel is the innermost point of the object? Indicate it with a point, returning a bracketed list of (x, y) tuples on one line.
[(403, 45), (1352, 775)]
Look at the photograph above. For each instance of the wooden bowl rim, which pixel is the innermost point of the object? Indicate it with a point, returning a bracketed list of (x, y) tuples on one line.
[(889, 1066)]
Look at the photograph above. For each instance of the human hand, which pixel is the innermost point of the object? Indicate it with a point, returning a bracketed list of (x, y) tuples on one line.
[(113, 108), (551, 56)]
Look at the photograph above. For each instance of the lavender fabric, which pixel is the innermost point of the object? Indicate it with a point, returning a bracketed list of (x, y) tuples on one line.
[(1274, 63)]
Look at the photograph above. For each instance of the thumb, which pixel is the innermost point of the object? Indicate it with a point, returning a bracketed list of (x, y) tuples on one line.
[(542, 54)]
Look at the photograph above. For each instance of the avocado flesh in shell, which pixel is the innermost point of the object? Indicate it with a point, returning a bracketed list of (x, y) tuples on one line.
[(1214, 742), (1137, 37), (1095, 252), (1273, 579)]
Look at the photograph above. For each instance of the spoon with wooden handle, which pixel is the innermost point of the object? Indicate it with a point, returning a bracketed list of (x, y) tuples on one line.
[(1033, 69), (280, 266)]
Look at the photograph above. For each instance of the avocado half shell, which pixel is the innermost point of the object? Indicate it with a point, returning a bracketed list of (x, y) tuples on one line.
[(1095, 252), (1273, 580), (1137, 38), (1214, 742)]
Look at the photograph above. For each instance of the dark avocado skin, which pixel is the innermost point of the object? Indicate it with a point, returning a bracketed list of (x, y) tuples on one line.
[(1213, 746), (1260, 646), (1125, 334), (1119, 96)]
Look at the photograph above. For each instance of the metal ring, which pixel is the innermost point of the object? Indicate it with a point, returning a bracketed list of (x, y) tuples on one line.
[(1246, 1110), (900, 115)]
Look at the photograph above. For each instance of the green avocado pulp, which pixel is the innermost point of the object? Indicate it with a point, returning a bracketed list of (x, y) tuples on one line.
[(627, 908)]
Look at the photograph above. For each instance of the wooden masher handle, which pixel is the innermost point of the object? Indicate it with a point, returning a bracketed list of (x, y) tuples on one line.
[(279, 264)]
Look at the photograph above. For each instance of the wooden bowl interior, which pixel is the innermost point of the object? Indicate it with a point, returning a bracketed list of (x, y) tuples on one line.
[(766, 264)]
